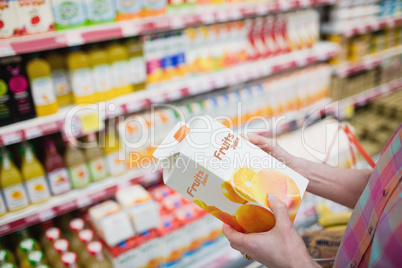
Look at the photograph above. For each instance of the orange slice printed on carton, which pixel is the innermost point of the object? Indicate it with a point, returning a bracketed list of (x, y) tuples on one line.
[(270, 181), (242, 183), (254, 218), (181, 133), (230, 194), (228, 219)]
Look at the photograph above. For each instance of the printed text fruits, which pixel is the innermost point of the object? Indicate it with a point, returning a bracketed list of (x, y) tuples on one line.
[(270, 181), (228, 219), (242, 183), (230, 194), (255, 219)]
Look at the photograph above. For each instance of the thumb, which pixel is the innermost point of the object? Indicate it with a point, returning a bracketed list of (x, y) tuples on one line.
[(266, 144), (280, 211)]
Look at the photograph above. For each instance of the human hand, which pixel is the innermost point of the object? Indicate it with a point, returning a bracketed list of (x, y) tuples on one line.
[(282, 246), (271, 147)]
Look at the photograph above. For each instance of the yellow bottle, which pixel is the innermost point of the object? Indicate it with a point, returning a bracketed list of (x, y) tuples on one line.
[(102, 75), (11, 182), (116, 165), (3, 208), (61, 82), (77, 166), (42, 87), (136, 64), (118, 55), (78, 64), (34, 176)]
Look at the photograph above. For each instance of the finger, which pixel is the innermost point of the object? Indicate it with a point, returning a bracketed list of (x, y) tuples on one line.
[(235, 238), (265, 144), (280, 211)]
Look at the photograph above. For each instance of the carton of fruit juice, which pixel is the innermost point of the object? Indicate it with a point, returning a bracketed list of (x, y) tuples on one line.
[(227, 175)]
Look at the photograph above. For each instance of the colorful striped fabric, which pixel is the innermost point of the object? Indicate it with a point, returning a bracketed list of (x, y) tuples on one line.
[(373, 237)]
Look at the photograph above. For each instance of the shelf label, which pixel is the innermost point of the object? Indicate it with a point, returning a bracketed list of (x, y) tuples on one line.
[(6, 50), (47, 215), (74, 38), (222, 15), (32, 132), (129, 29), (84, 201), (177, 23), (235, 14), (11, 138), (208, 18)]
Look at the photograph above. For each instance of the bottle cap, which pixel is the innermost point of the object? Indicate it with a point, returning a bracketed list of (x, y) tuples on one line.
[(86, 236), (52, 234), (35, 257), (94, 247), (61, 245), (69, 258), (8, 265), (27, 244), (3, 255), (76, 224)]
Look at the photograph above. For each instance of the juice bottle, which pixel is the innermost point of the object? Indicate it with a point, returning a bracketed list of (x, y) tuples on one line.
[(60, 247), (69, 260), (77, 167), (76, 225), (68, 13), (3, 208), (60, 79), (11, 182), (154, 8), (34, 176), (118, 55), (78, 63), (59, 180), (128, 9), (136, 64), (116, 166), (86, 236), (98, 260), (51, 235), (6, 256), (8, 265), (99, 11), (33, 260), (42, 87), (7, 115), (12, 72), (26, 246), (102, 75), (96, 159)]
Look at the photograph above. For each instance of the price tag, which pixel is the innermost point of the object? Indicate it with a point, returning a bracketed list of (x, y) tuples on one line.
[(84, 201), (284, 5), (223, 15), (32, 132), (262, 9), (91, 123), (74, 38), (32, 219), (47, 214), (11, 138), (177, 23), (66, 207), (219, 81), (208, 18), (130, 29), (6, 50), (235, 14)]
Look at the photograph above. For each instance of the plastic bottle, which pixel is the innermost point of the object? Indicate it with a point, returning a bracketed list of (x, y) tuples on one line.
[(42, 87), (51, 235), (26, 246), (7, 115), (103, 81), (76, 225), (12, 184), (60, 247), (86, 236), (128, 9), (58, 178), (118, 55), (100, 11), (95, 158), (6, 256), (69, 260), (34, 176), (116, 166), (81, 76), (33, 260), (98, 260), (136, 64), (8, 265), (68, 13), (77, 167), (60, 78)]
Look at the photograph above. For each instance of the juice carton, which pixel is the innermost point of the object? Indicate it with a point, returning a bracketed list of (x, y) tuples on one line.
[(226, 175), (138, 203), (9, 24), (111, 222)]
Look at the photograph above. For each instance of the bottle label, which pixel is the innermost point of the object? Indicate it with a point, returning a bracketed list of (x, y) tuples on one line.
[(154, 4), (82, 82), (42, 91), (60, 82), (128, 6), (120, 74), (68, 13), (98, 169), (100, 10), (37, 189), (115, 165), (59, 181), (79, 176), (103, 81), (137, 70), (3, 208), (15, 197)]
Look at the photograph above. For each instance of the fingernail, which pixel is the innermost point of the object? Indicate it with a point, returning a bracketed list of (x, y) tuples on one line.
[(272, 196)]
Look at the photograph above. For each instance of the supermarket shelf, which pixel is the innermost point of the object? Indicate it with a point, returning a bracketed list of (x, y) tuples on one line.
[(371, 26), (166, 92), (90, 34), (367, 63), (70, 201)]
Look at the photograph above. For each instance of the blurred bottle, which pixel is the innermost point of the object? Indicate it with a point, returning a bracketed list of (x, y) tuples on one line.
[(101, 73), (136, 64), (60, 78), (26, 246), (86, 236), (116, 166), (59, 180), (69, 260), (34, 176), (51, 235), (60, 247), (118, 56), (81, 76), (76, 225), (95, 158), (6, 256), (33, 260), (98, 260), (77, 166), (68, 13), (12, 184), (100, 11), (42, 86), (3, 208)]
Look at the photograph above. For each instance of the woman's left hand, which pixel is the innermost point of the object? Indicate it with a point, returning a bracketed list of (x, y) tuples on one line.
[(282, 246)]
